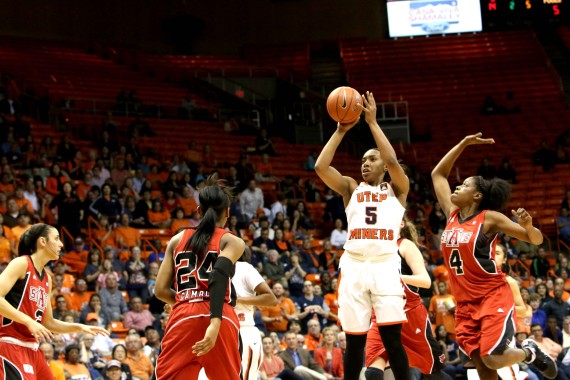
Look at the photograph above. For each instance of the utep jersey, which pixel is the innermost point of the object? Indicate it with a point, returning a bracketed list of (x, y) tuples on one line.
[(192, 272), (412, 292), (374, 216), (30, 296), (245, 281), (469, 256)]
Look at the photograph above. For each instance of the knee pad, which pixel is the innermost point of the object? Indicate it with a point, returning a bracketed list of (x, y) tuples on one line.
[(372, 373)]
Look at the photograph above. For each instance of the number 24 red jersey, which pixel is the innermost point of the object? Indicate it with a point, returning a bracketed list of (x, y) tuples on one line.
[(192, 272)]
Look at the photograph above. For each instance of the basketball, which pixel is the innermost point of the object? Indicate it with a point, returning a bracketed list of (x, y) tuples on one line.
[(342, 105)]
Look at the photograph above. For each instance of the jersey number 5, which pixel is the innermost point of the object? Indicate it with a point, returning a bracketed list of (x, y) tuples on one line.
[(455, 262), (186, 272), (371, 216)]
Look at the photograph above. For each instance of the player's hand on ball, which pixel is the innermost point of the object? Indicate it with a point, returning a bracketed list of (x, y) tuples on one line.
[(347, 127)]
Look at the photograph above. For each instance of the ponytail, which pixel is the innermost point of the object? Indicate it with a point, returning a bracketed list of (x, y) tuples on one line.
[(214, 200), (29, 239)]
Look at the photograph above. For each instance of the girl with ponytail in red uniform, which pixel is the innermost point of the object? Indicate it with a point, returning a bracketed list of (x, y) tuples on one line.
[(202, 331), (485, 306), (25, 307)]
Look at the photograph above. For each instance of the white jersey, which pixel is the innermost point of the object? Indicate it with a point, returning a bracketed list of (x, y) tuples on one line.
[(245, 281), (374, 215)]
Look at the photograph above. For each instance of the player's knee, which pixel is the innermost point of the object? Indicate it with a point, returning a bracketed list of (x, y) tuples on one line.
[(372, 373), (492, 362)]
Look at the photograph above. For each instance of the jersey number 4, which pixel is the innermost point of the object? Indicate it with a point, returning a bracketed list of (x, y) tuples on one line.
[(188, 272), (455, 262)]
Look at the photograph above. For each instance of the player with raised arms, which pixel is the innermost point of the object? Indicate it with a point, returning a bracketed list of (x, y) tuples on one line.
[(25, 306), (485, 306), (370, 267), (202, 331)]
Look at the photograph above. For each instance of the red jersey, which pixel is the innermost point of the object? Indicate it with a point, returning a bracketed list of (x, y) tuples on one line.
[(192, 272), (29, 296), (469, 256), (412, 292)]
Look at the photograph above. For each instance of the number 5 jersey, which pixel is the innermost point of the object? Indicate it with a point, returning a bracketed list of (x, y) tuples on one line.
[(469, 256)]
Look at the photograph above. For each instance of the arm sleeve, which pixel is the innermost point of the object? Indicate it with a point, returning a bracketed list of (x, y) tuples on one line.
[(218, 283)]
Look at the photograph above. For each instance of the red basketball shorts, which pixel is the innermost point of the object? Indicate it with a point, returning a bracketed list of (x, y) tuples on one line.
[(22, 363)]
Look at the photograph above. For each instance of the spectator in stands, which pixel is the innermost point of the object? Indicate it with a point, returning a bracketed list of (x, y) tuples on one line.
[(299, 360), (309, 258), (90, 357), (68, 209), (138, 318), (540, 265), (245, 170), (107, 204), (274, 268), (313, 338), (112, 299), (329, 356), (442, 309), (126, 235), (55, 366), (76, 259), (159, 216), (79, 297), (251, 199), (538, 315), (119, 173), (140, 365), (557, 307), (276, 318), (272, 366), (328, 259), (262, 224), (311, 307), (137, 271), (331, 300), (338, 235), (158, 254), (12, 213), (120, 354), (23, 225), (263, 144), (72, 366), (152, 347), (281, 245), (60, 307), (295, 276), (507, 172), (264, 170), (563, 223), (545, 156), (262, 239), (453, 364), (94, 309), (553, 331)]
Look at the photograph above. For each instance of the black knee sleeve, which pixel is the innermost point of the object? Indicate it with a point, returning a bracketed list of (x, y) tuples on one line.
[(354, 356), (372, 373)]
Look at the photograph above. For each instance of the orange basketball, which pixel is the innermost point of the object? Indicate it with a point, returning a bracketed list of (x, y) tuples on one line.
[(342, 105)]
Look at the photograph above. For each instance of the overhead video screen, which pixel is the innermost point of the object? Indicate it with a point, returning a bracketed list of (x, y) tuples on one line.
[(424, 17)]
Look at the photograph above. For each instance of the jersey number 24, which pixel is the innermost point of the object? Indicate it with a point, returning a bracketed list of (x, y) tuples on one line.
[(188, 271)]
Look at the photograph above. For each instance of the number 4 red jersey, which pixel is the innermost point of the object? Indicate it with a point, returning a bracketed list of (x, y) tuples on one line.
[(30, 296), (469, 256), (192, 272)]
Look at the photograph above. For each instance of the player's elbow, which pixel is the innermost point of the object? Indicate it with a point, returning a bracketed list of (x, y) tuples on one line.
[(272, 301), (162, 293)]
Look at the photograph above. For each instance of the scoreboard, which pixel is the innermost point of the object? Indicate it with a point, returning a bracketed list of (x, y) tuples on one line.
[(514, 12)]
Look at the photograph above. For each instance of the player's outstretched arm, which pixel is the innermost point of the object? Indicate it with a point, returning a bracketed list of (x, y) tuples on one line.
[(328, 174), (441, 172), (163, 287), (522, 230), (61, 327), (399, 180)]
